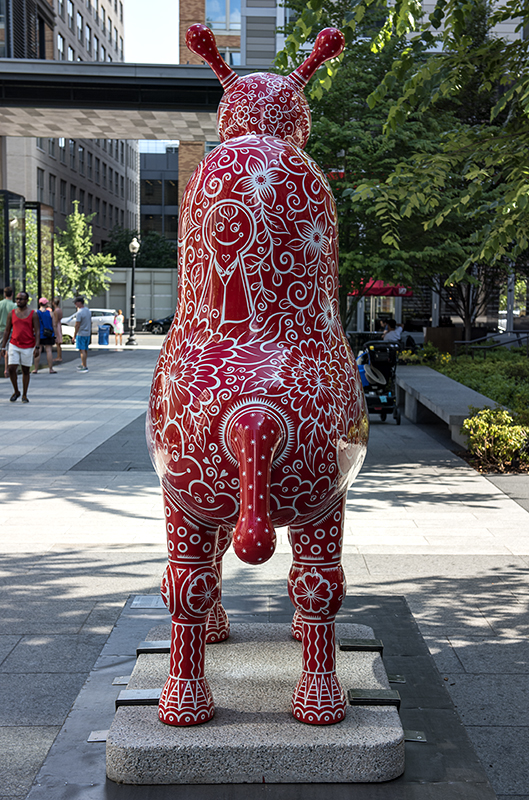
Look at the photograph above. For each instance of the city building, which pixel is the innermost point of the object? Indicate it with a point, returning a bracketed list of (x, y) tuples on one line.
[(101, 174)]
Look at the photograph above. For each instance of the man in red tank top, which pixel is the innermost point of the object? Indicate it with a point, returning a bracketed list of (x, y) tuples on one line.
[(24, 344)]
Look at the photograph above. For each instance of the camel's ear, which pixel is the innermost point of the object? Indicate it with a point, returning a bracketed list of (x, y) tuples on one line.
[(329, 44), (201, 41)]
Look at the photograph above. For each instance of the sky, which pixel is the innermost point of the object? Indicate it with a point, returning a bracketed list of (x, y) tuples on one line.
[(151, 31)]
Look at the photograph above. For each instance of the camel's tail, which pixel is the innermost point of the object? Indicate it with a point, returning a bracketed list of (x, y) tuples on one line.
[(254, 439)]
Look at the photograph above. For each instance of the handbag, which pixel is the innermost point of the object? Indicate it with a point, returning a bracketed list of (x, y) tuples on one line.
[(47, 333)]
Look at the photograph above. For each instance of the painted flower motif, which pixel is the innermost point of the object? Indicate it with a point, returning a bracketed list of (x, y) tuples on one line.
[(192, 365), (312, 592), (316, 383), (328, 318), (203, 593), (313, 238), (259, 182)]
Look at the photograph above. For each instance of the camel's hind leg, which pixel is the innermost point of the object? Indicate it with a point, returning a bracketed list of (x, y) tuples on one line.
[(316, 586), (190, 589), (218, 628)]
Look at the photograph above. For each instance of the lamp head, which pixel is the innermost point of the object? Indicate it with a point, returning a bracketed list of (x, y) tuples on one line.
[(134, 246)]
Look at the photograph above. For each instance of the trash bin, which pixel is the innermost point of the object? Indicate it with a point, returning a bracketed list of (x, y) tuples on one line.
[(103, 334)]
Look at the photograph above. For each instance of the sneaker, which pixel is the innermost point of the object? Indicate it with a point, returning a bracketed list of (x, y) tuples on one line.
[(80, 366), (82, 369)]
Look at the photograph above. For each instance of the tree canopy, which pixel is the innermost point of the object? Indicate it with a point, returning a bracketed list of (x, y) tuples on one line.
[(155, 250), (77, 269), (487, 151)]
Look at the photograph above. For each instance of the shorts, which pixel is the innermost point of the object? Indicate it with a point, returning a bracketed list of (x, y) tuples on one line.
[(47, 340), (20, 355), (82, 342)]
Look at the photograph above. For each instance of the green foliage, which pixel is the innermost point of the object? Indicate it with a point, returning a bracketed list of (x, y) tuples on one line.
[(482, 78), (428, 355), (495, 440), (77, 269), (155, 250), (503, 376), (31, 232)]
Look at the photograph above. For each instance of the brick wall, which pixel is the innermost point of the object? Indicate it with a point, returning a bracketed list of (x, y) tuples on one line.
[(191, 11), (189, 155)]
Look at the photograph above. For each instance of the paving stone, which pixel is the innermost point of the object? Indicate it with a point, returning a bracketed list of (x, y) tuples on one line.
[(22, 751), (503, 753)]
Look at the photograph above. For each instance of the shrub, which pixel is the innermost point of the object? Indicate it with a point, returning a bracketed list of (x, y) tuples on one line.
[(495, 440)]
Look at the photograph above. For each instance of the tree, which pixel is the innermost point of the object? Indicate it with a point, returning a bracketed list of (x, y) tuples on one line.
[(487, 153), (155, 250), (77, 269)]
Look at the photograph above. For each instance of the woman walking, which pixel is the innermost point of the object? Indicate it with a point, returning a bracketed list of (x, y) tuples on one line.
[(47, 336), (118, 327), (57, 317)]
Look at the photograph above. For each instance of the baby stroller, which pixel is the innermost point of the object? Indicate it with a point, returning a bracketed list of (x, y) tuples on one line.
[(377, 364)]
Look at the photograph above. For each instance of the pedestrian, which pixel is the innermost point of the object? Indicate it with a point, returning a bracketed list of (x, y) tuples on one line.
[(391, 333), (24, 327), (47, 336), (118, 327), (6, 307), (83, 329), (57, 317)]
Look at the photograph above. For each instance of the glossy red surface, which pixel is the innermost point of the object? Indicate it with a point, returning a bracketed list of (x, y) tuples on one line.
[(256, 416)]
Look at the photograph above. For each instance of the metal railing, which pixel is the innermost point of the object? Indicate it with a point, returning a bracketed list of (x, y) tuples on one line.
[(508, 339)]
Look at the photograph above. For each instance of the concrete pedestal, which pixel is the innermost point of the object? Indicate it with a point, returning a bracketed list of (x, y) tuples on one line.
[(253, 737)]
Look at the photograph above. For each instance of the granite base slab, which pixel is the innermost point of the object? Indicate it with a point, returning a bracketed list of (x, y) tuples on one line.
[(253, 737)]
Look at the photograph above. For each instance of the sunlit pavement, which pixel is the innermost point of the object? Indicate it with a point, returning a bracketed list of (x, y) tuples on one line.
[(82, 529)]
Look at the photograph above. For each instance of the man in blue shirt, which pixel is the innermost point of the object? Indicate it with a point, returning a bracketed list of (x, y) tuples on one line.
[(83, 329)]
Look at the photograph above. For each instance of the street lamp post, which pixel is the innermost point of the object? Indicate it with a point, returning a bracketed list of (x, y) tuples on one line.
[(134, 247)]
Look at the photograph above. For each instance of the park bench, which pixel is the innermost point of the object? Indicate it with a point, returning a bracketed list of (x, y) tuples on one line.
[(428, 396)]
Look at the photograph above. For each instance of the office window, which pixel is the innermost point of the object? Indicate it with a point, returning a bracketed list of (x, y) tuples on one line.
[(104, 182), (98, 163), (171, 193), (102, 54), (224, 15), (96, 10), (122, 218), (109, 58), (110, 30), (40, 185), (71, 143), (63, 197), (121, 48), (80, 156), (80, 25), (109, 143), (151, 192), (52, 183), (90, 204), (81, 201), (60, 47), (115, 5), (62, 151), (51, 147), (122, 152), (110, 179), (88, 38), (98, 215), (122, 182), (115, 38), (40, 143), (116, 149), (151, 222), (121, 12), (89, 5), (89, 160), (60, 8), (71, 53), (171, 226), (104, 144), (110, 214), (103, 19), (116, 184), (96, 48), (104, 220), (73, 195), (70, 15)]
